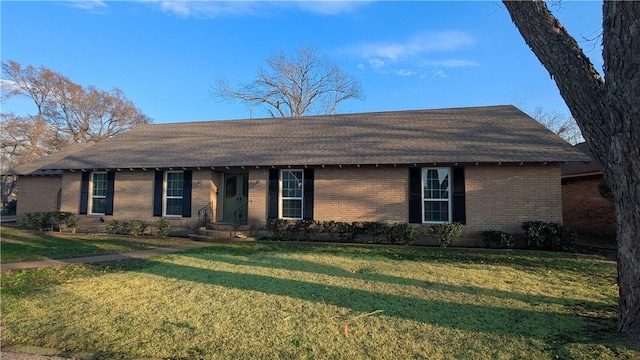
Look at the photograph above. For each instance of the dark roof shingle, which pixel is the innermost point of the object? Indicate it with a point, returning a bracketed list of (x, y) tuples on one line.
[(477, 134)]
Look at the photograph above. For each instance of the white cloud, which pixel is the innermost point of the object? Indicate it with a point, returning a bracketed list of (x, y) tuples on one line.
[(88, 5), (439, 73), (404, 72), (376, 63), (449, 63), (425, 42), (206, 8)]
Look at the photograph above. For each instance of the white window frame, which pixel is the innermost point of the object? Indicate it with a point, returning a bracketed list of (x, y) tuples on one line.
[(165, 197), (91, 187), (282, 198), (448, 200)]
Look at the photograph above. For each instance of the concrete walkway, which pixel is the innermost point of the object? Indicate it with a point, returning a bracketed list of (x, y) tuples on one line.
[(103, 258)]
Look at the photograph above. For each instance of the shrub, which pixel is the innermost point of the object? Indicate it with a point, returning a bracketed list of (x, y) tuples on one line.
[(376, 232), (496, 238), (551, 236), (164, 228), (132, 227), (137, 227), (51, 220), (113, 227), (447, 234)]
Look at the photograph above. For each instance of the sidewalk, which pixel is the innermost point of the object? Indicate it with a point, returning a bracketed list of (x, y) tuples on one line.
[(102, 258)]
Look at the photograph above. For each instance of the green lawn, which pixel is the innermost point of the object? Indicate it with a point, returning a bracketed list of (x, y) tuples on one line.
[(20, 245), (309, 301)]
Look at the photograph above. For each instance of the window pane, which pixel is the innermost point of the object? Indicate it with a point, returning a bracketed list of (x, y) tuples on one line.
[(98, 205), (230, 187), (292, 209), (174, 206), (174, 183), (292, 183), (99, 182), (436, 211), (436, 184)]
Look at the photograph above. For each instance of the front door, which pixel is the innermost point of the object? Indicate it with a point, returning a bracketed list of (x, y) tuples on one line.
[(236, 194)]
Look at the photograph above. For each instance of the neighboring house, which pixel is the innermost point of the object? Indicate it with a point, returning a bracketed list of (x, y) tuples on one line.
[(487, 167), (583, 208)]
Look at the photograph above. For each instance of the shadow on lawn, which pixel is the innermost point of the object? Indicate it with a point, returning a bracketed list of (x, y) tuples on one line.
[(487, 319), (273, 262), (41, 246)]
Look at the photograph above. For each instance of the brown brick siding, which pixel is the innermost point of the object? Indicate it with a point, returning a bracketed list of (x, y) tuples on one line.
[(361, 194), (585, 210), (497, 197), (133, 199), (503, 197), (37, 193)]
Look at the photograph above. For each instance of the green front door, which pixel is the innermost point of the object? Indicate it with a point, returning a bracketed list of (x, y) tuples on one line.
[(236, 194)]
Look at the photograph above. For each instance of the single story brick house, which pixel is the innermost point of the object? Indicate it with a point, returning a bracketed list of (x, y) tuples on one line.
[(583, 208), (486, 167)]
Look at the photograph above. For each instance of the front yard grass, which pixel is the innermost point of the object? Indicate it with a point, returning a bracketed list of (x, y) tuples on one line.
[(255, 300), (20, 245)]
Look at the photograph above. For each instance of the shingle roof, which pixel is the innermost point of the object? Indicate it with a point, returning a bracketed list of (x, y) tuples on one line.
[(574, 169), (477, 134), (40, 166)]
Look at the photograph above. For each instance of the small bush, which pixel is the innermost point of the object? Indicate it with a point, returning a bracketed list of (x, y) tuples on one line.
[(137, 227), (51, 220), (496, 238), (132, 227), (550, 236), (164, 228), (375, 232), (447, 234)]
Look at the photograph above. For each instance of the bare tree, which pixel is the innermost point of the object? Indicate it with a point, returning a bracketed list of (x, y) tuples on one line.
[(607, 111), (307, 84), (563, 125), (65, 113), (80, 114)]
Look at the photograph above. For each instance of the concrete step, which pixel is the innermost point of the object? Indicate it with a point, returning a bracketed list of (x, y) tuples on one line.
[(226, 226)]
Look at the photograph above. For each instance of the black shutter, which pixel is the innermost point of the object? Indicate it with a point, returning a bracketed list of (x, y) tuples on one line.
[(274, 177), (84, 193), (415, 196), (458, 205), (307, 212), (157, 193), (111, 178), (186, 193)]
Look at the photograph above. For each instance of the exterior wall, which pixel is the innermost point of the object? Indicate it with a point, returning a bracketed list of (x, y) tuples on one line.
[(503, 197), (133, 199), (258, 194), (38, 193), (497, 197), (585, 210), (361, 194)]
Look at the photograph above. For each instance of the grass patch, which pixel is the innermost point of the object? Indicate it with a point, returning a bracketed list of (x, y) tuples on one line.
[(21, 245), (290, 301)]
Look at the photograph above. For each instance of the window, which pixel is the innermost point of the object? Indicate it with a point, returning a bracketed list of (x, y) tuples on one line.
[(436, 195), (98, 193), (291, 196), (174, 185)]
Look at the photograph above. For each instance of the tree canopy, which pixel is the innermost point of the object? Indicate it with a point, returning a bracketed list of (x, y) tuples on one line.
[(305, 84)]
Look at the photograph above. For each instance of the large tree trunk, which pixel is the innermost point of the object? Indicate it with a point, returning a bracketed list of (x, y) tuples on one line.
[(608, 113)]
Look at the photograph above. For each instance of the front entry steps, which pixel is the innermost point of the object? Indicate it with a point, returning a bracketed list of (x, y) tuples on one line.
[(216, 232)]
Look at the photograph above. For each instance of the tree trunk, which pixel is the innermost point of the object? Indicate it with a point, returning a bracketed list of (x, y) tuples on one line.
[(608, 113)]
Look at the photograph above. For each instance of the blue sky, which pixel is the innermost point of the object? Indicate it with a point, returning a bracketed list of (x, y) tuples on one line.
[(165, 55)]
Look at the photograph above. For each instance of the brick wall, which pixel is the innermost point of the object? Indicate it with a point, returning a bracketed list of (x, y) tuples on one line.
[(497, 197), (503, 197), (361, 194), (37, 193), (585, 210), (133, 199)]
